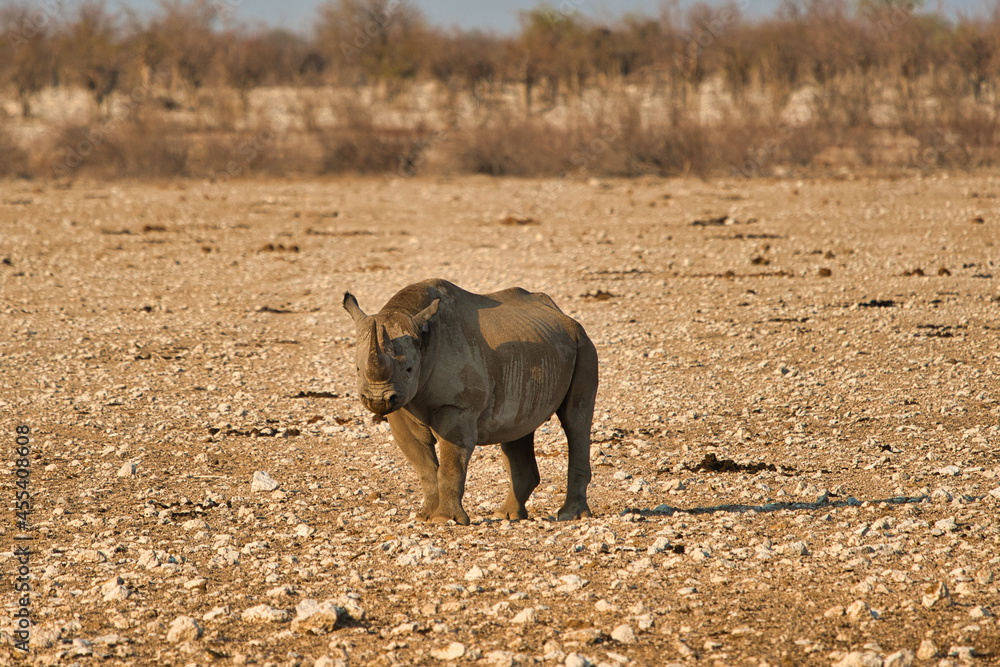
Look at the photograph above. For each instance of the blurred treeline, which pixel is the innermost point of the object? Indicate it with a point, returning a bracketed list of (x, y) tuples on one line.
[(938, 75)]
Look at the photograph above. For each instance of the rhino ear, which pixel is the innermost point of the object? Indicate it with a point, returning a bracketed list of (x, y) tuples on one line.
[(352, 307), (422, 319)]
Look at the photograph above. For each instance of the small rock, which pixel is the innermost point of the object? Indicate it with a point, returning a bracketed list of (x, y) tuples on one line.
[(795, 549), (263, 482), (452, 651), (901, 658), (859, 611), (685, 650), (623, 634), (978, 612), (927, 650), (525, 616), (577, 660), (216, 612), (127, 470), (947, 525), (317, 619), (859, 659), (198, 583), (700, 555), (835, 611), (183, 629), (475, 573), (113, 590), (500, 658), (659, 545), (941, 496), (949, 471), (264, 613), (195, 524), (936, 593), (966, 653)]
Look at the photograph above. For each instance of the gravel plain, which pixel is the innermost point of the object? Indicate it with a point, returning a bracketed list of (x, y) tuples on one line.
[(795, 447)]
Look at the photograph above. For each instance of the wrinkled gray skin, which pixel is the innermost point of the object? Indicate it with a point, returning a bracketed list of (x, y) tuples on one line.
[(455, 369)]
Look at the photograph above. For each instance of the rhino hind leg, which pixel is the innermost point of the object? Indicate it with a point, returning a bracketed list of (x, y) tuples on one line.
[(576, 414), (417, 444), (522, 468)]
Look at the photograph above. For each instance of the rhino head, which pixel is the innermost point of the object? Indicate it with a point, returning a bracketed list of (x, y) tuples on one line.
[(388, 354)]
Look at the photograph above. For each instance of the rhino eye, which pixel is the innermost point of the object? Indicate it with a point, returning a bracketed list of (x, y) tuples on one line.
[(409, 369)]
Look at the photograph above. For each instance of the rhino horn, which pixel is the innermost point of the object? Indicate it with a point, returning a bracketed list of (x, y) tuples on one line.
[(379, 363)]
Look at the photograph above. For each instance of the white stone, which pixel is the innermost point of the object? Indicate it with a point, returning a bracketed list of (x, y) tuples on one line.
[(927, 650), (947, 525), (526, 615), (859, 611), (264, 613), (216, 612), (500, 658), (195, 524), (623, 634), (949, 471), (901, 658), (700, 555), (936, 593), (659, 545), (183, 629), (452, 651), (859, 659), (198, 583), (319, 619), (263, 482), (964, 653), (796, 549), (978, 612), (113, 590), (475, 573), (127, 470), (577, 660)]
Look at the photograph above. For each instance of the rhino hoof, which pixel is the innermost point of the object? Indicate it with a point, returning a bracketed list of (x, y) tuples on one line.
[(571, 513), (514, 513), (462, 520)]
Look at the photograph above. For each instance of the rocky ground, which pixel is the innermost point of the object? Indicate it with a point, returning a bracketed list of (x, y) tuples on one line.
[(795, 447)]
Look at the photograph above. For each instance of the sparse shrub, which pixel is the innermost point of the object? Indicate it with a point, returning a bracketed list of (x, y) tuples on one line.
[(506, 146), (13, 159), (142, 145)]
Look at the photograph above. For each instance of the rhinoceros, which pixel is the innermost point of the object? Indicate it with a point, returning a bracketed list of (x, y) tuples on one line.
[(457, 369)]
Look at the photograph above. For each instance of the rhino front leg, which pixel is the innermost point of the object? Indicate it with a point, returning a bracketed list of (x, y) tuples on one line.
[(522, 468), (456, 432), (417, 444), (576, 415)]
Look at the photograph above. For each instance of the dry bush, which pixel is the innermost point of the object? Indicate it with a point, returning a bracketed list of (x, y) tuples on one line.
[(14, 160), (359, 146), (143, 145), (504, 145)]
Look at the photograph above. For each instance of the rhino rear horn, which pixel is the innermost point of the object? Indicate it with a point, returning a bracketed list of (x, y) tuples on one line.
[(379, 363), (384, 342), (422, 319), (352, 307)]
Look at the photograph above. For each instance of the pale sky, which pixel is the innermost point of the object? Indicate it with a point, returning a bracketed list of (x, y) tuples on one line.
[(499, 16)]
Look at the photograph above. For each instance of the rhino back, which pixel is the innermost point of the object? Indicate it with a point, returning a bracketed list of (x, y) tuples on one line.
[(530, 353), (508, 355)]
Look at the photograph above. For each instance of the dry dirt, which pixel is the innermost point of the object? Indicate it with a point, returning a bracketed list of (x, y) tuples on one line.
[(831, 347)]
